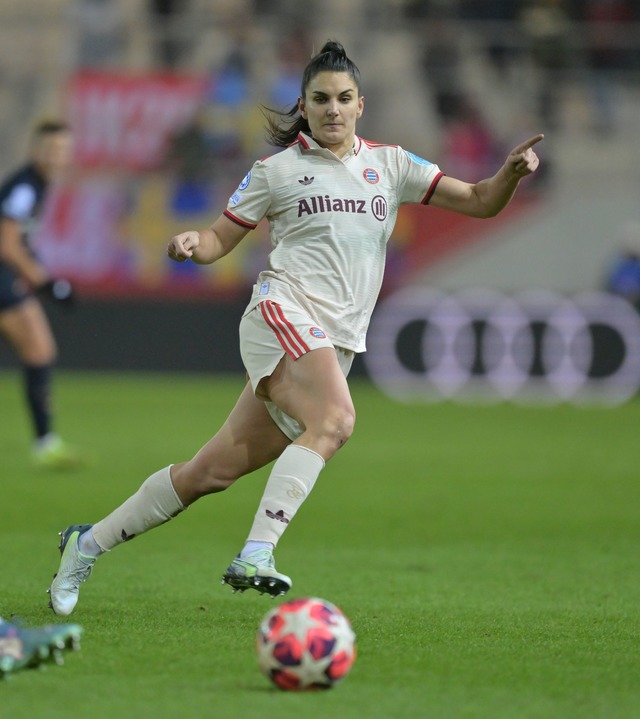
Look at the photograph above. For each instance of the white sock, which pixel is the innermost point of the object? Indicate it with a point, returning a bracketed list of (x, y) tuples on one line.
[(155, 503), (88, 545), (251, 546), (291, 479)]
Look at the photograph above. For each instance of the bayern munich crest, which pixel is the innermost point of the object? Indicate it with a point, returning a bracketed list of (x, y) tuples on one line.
[(317, 333), (371, 176), (245, 182)]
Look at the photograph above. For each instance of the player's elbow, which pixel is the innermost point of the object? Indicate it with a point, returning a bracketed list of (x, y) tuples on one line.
[(487, 213), (484, 203), (480, 213), (5, 252), (485, 209)]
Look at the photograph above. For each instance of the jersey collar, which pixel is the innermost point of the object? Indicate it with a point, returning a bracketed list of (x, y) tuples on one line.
[(310, 144)]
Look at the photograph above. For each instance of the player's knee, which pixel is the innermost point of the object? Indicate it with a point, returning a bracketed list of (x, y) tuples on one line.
[(347, 424), (49, 355), (338, 427), (39, 353)]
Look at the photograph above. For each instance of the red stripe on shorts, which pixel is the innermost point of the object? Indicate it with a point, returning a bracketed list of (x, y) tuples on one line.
[(286, 333)]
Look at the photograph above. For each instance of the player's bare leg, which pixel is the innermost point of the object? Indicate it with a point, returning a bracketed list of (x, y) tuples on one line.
[(26, 328), (314, 392), (248, 440)]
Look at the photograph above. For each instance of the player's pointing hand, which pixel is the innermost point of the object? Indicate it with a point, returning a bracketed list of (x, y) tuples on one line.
[(522, 160)]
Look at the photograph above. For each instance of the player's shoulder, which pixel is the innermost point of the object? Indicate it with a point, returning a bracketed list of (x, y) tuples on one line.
[(279, 157), (369, 150), (278, 166), (371, 145), (378, 148), (25, 176)]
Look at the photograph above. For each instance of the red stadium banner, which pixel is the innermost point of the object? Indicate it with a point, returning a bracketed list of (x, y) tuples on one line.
[(80, 235), (125, 121), (108, 227)]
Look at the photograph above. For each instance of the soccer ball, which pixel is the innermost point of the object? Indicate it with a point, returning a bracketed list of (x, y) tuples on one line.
[(305, 644)]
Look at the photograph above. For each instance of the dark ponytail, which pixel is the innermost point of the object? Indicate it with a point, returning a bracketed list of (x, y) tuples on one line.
[(283, 130)]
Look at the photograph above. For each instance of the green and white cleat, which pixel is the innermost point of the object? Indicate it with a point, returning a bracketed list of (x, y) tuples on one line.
[(74, 569), (52, 452), (256, 571), (25, 648)]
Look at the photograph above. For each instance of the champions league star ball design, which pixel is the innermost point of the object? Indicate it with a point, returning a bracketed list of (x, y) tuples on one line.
[(305, 644)]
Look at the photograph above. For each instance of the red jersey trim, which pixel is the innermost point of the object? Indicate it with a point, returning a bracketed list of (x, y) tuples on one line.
[(303, 141), (432, 189), (238, 221), (372, 145), (283, 329)]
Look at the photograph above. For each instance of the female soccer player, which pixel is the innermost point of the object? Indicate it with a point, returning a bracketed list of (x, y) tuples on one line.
[(331, 200), (23, 322)]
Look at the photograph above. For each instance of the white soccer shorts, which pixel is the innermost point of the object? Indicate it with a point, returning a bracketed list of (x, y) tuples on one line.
[(267, 333)]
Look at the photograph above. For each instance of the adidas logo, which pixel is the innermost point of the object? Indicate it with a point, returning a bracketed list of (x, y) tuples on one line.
[(307, 180), (279, 515), (127, 537)]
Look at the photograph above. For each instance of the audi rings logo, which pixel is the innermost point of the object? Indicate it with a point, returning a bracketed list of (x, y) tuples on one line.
[(534, 346)]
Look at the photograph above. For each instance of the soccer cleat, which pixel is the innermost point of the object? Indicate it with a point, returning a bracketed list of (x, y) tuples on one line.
[(256, 571), (52, 452), (24, 648), (74, 569)]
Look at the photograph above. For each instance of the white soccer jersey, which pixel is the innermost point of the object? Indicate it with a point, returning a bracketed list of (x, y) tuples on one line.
[(330, 220)]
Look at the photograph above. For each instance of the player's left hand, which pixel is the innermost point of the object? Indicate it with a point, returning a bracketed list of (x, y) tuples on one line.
[(59, 290), (522, 160)]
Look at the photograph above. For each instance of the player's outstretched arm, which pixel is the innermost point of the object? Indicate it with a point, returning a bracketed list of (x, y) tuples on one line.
[(488, 197), (206, 246)]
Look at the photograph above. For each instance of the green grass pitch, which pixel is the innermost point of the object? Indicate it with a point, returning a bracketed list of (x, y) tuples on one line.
[(488, 558)]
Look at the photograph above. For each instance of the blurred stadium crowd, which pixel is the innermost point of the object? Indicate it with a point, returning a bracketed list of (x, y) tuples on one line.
[(453, 70), (165, 100), (458, 81)]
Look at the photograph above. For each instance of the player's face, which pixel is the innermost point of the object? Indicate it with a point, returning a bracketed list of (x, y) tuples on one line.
[(331, 106), (52, 153)]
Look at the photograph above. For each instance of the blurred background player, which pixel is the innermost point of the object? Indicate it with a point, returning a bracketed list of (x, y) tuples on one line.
[(23, 322), (623, 276), (29, 647)]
